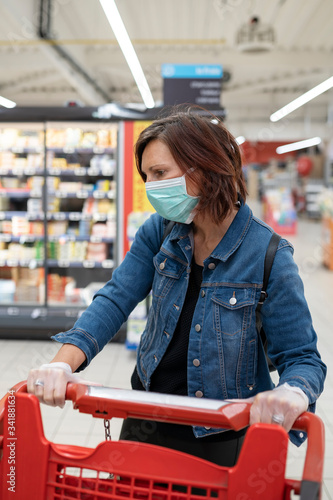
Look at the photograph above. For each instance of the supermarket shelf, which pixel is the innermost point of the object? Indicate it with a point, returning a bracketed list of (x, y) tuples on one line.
[(18, 171), (81, 171), (30, 238), (73, 216), (87, 264), (31, 264), (22, 150), (89, 151), (83, 193), (26, 238), (20, 193)]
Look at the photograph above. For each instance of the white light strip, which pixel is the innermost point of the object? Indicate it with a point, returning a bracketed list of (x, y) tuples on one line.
[(240, 140), (298, 145), (119, 30), (301, 100), (7, 103)]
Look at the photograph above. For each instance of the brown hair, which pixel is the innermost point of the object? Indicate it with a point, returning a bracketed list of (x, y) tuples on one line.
[(205, 145)]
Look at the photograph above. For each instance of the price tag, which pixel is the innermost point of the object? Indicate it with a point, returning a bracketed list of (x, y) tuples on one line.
[(98, 150), (13, 311), (107, 172), (36, 193), (89, 264), (74, 216), (85, 216), (111, 195), (93, 171), (61, 194), (4, 171), (24, 263), (12, 263), (33, 264), (54, 171), (82, 194), (2, 215), (99, 194), (63, 263), (30, 171), (99, 217), (17, 171), (69, 150), (26, 239), (16, 149), (59, 216), (5, 237), (95, 239), (80, 171), (107, 264)]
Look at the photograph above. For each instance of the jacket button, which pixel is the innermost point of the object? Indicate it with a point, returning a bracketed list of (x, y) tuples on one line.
[(196, 362), (233, 301), (162, 266), (211, 265), (197, 328), (199, 394), (202, 293)]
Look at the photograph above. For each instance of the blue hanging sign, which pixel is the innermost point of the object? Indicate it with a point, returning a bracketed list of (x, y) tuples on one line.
[(192, 71)]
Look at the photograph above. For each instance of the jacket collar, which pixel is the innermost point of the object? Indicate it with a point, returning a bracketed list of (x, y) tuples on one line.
[(230, 241)]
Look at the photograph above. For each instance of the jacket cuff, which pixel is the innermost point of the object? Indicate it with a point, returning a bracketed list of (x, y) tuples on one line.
[(81, 339)]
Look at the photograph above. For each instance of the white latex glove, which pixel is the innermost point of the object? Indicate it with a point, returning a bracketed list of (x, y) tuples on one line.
[(281, 406), (49, 382)]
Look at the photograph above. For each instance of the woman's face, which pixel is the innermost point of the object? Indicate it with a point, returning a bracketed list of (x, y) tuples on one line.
[(158, 164)]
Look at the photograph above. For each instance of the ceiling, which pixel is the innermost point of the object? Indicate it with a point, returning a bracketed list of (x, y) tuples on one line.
[(35, 73)]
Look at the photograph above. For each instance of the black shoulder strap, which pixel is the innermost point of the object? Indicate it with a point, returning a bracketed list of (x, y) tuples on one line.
[(167, 230), (269, 259)]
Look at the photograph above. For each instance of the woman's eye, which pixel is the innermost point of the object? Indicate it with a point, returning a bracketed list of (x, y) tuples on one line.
[(159, 173)]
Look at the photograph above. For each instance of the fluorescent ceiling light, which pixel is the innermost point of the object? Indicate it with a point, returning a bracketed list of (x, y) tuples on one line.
[(119, 30), (7, 103), (298, 145), (301, 100), (240, 140)]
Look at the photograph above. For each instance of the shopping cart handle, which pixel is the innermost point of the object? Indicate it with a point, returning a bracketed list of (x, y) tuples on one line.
[(105, 402)]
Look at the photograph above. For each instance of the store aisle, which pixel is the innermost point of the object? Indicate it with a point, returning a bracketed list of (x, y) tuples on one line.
[(114, 364)]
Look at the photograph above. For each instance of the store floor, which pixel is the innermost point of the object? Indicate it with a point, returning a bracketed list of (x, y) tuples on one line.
[(114, 364)]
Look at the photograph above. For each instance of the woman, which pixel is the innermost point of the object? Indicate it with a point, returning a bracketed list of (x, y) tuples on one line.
[(200, 339)]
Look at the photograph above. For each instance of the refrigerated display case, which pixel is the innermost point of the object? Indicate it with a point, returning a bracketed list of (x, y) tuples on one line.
[(58, 224)]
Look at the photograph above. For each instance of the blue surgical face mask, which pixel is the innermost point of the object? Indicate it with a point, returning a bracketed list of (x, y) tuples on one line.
[(171, 201)]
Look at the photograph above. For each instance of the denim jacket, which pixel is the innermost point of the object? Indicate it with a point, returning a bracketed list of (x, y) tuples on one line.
[(225, 356)]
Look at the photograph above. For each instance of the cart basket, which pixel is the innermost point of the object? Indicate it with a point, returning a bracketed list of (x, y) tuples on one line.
[(31, 467)]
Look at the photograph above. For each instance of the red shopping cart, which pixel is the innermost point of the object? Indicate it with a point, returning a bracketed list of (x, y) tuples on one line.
[(32, 467)]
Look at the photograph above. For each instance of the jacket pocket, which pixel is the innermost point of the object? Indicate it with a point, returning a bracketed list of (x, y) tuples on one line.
[(232, 309), (167, 272)]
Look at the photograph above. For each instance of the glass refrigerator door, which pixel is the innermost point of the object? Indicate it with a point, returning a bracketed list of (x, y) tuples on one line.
[(81, 212), (21, 217)]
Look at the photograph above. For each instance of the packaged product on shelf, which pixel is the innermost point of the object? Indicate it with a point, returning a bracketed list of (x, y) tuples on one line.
[(37, 228), (88, 140), (89, 291), (102, 185), (39, 250), (10, 183), (34, 206), (20, 226), (6, 227), (35, 182), (84, 228), (97, 252), (4, 203), (7, 159), (103, 138), (57, 228), (135, 328), (7, 290), (53, 182), (111, 228), (34, 160), (73, 137), (99, 230), (56, 287)]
